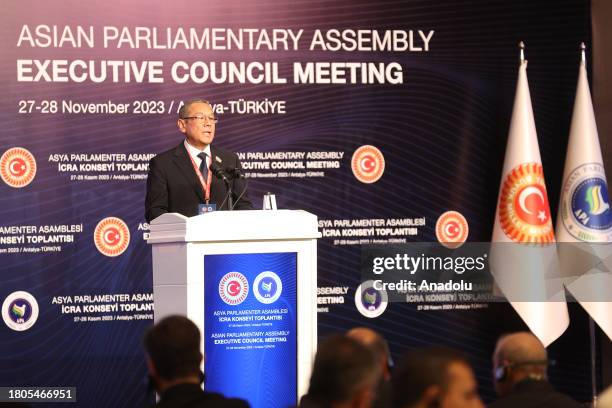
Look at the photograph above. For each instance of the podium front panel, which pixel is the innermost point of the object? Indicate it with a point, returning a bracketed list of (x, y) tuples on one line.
[(251, 326), (183, 285)]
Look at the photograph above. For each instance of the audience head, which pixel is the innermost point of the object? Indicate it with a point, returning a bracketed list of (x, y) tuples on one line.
[(377, 345), (518, 356), (345, 373), (173, 349), (435, 377)]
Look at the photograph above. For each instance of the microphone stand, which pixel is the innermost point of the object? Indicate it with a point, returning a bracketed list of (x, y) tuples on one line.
[(237, 175), (219, 173)]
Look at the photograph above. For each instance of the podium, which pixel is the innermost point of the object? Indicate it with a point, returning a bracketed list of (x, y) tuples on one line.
[(248, 279)]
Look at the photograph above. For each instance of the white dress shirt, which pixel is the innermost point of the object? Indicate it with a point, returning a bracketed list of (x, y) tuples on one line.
[(193, 152)]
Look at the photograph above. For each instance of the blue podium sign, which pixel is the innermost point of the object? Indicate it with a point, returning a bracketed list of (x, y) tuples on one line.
[(250, 327)]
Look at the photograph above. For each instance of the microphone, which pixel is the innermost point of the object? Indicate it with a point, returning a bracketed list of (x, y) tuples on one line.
[(217, 170), (234, 172), (237, 174)]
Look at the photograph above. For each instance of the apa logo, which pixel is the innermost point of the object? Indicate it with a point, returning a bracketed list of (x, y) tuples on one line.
[(585, 206), (523, 205), (368, 164), (267, 287), (20, 311), (369, 301), (17, 167), (112, 236), (452, 229), (233, 288)]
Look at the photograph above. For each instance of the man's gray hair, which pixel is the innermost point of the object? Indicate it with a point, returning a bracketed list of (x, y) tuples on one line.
[(185, 107)]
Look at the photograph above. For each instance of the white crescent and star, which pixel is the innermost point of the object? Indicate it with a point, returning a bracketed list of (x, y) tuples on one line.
[(367, 163), (17, 166), (451, 229), (233, 288), (528, 191), (111, 236)]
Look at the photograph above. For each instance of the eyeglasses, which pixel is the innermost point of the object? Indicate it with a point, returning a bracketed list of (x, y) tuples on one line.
[(210, 119)]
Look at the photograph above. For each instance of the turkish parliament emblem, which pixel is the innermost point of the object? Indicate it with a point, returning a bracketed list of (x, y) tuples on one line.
[(524, 211)]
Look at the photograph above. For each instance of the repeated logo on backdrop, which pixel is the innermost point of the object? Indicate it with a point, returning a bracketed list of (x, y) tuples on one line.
[(523, 205), (17, 167), (112, 236), (452, 229), (369, 301), (20, 311), (368, 164)]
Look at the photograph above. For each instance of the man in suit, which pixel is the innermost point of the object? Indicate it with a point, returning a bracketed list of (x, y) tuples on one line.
[(174, 358), (183, 177), (519, 372)]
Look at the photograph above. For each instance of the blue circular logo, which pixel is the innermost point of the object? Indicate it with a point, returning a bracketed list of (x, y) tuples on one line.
[(369, 301), (585, 206), (590, 204), (267, 287), (20, 310)]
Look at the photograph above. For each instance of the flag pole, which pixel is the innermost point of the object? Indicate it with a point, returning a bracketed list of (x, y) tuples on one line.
[(593, 361), (546, 318), (592, 338)]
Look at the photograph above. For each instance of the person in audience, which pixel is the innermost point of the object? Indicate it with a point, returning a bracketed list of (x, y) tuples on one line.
[(379, 347), (174, 358), (344, 375), (520, 366), (435, 377)]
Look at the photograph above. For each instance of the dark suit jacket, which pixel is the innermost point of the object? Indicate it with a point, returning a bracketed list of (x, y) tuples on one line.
[(192, 396), (535, 394), (173, 186)]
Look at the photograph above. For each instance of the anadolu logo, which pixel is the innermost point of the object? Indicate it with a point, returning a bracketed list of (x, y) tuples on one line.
[(20, 311), (17, 167), (112, 236), (233, 288), (452, 229), (523, 205), (369, 301), (586, 207), (267, 287), (368, 164)]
